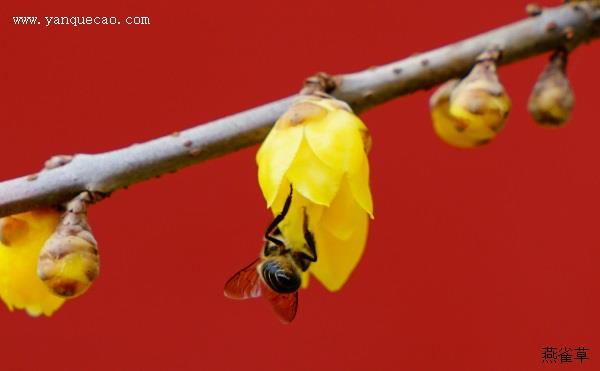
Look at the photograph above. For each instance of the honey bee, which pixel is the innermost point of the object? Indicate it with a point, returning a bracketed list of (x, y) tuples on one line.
[(276, 275)]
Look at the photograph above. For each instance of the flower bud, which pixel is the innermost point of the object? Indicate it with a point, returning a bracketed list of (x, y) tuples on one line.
[(551, 101), (448, 128), (480, 102), (470, 112), (68, 261)]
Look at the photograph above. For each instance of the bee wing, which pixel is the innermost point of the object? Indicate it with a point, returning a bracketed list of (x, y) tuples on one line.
[(284, 305), (245, 284)]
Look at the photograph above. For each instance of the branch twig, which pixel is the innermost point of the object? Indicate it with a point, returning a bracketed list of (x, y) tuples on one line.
[(567, 25)]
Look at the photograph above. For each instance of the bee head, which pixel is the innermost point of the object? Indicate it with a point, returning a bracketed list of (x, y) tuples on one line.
[(280, 274)]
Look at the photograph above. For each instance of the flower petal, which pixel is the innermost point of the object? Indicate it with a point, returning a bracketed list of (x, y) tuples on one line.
[(359, 184), (305, 279), (450, 129), (341, 218), (337, 140), (338, 258), (20, 286), (274, 158), (312, 178)]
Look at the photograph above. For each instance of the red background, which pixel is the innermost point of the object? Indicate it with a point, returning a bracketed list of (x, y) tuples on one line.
[(476, 259)]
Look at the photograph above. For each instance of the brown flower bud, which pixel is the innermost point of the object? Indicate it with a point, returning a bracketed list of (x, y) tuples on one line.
[(69, 261), (551, 101)]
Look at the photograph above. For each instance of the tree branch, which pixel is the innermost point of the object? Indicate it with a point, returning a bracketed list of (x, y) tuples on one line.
[(567, 25)]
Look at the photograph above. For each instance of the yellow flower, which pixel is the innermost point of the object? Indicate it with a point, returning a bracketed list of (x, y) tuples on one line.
[(21, 239), (470, 112), (320, 148)]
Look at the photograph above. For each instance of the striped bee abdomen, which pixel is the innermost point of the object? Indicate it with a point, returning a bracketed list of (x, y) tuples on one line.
[(280, 274)]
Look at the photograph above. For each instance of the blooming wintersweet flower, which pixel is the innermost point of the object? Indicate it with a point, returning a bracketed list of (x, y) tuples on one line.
[(21, 239), (319, 147)]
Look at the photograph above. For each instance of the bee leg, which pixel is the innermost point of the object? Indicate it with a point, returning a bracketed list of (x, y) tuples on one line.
[(278, 219), (302, 260), (309, 237)]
